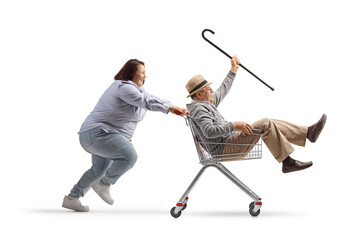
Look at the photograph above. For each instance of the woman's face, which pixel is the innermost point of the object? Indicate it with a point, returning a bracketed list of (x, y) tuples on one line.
[(139, 77)]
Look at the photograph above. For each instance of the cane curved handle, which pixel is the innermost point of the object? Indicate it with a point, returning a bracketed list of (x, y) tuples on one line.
[(209, 30), (203, 35)]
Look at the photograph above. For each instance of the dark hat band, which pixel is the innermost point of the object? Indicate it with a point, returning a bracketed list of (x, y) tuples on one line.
[(198, 86)]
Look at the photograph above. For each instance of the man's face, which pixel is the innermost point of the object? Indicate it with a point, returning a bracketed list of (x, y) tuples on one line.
[(205, 94)]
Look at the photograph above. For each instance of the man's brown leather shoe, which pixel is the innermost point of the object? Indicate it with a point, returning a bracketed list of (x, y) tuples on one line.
[(315, 130), (295, 166)]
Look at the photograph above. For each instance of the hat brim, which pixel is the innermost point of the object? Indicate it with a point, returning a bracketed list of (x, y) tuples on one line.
[(199, 89)]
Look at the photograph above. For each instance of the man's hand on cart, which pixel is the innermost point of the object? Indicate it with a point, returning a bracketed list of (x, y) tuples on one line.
[(244, 127), (178, 111)]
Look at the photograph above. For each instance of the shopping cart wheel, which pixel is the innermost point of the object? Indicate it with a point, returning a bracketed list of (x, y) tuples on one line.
[(175, 215), (251, 210)]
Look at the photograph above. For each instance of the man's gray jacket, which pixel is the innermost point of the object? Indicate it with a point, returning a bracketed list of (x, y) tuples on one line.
[(210, 125)]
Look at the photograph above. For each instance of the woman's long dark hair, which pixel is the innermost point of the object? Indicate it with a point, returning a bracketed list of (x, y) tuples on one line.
[(128, 71)]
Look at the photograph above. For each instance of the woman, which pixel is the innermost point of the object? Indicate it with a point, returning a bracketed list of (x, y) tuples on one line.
[(106, 133)]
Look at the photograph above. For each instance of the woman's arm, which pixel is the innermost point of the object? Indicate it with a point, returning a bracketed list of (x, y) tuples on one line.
[(140, 98)]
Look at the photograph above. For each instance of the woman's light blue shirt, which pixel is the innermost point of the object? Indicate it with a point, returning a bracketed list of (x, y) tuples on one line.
[(121, 107)]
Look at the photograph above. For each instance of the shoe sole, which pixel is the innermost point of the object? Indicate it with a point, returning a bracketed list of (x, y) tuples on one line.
[(324, 118), (64, 205), (98, 193), (295, 170)]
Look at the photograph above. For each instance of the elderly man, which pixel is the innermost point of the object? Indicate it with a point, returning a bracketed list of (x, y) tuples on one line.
[(278, 135)]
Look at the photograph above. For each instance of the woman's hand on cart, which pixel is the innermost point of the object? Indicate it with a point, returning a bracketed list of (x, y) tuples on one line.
[(178, 111), (244, 127)]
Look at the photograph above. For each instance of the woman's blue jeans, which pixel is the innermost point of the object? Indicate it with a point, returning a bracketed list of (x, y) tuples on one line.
[(112, 155)]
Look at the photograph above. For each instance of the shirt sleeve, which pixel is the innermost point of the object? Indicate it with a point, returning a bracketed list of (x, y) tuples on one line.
[(141, 98), (209, 126), (224, 88)]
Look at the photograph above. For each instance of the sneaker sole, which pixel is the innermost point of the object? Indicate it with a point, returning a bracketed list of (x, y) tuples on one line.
[(71, 208), (104, 199)]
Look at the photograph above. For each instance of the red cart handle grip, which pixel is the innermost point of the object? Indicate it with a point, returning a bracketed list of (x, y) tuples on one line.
[(177, 112)]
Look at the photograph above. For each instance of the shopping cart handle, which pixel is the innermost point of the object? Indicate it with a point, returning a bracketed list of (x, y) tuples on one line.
[(177, 112)]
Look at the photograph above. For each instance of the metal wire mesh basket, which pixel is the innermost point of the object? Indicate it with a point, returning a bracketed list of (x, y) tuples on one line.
[(236, 147)]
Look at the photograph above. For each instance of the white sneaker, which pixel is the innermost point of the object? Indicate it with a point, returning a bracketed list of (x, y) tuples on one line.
[(103, 192), (74, 203)]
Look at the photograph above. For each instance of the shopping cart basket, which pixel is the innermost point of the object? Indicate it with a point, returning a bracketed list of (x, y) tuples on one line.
[(212, 154)]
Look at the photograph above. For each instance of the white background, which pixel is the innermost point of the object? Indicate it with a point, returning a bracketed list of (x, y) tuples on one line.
[(57, 58)]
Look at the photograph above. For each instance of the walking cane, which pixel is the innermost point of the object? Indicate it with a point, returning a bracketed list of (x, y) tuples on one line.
[(208, 30)]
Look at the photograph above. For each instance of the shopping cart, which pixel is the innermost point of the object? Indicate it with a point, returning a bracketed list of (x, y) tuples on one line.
[(212, 154)]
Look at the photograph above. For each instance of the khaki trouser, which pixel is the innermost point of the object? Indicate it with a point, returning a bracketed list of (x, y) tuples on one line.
[(278, 136)]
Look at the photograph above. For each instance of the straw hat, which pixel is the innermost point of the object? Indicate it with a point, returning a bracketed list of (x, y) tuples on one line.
[(195, 84)]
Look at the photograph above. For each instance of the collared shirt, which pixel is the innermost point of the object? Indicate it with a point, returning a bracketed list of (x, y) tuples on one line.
[(121, 107)]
